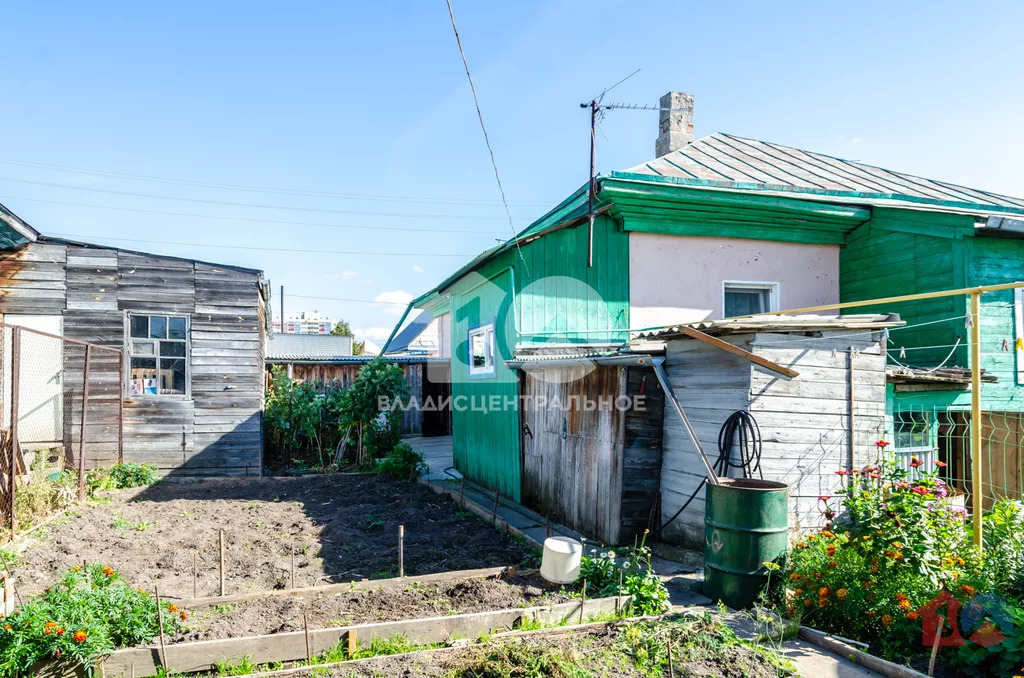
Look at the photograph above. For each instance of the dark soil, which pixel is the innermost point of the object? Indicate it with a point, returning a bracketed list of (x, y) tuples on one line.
[(279, 614), (342, 527), (597, 651)]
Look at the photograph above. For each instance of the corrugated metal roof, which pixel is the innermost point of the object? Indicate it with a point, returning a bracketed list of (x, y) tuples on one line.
[(307, 347), (727, 161), (410, 333), (782, 323)]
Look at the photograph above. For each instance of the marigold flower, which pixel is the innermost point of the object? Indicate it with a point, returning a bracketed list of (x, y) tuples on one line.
[(967, 589), (959, 561), (172, 608), (904, 604), (886, 620), (7, 627), (798, 592), (807, 602), (831, 550), (912, 615), (796, 576), (60, 631), (822, 602), (80, 636), (827, 534), (823, 591), (50, 624), (184, 617), (833, 564), (897, 544), (108, 570), (898, 556), (841, 594), (801, 545)]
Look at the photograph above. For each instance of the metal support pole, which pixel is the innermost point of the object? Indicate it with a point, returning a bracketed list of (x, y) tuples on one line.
[(282, 311), (85, 419), (120, 408), (977, 493), (591, 189), (12, 469)]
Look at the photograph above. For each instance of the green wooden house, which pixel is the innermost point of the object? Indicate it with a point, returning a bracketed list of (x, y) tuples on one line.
[(727, 226)]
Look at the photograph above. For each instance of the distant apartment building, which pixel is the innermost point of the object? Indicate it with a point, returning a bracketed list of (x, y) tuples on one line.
[(307, 322)]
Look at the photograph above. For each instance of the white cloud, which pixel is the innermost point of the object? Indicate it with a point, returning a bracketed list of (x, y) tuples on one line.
[(337, 276), (395, 301), (855, 140), (418, 269), (349, 274)]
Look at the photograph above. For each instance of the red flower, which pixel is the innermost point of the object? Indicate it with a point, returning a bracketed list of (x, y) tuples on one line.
[(842, 472), (824, 497), (80, 636), (882, 443), (940, 464), (915, 462)]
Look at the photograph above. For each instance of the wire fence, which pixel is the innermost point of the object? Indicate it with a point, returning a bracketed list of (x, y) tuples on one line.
[(940, 439), (60, 415)]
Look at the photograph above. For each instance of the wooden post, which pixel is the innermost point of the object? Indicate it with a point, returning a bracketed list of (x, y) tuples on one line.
[(353, 644), (671, 666), (309, 648), (195, 573), (618, 593), (548, 530), (462, 492), (401, 550), (10, 579), (85, 419), (293, 565), (160, 622), (583, 599), (120, 408), (12, 469), (977, 492), (935, 645), (222, 562)]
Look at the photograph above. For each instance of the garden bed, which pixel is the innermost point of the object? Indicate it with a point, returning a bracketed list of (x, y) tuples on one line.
[(341, 527), (369, 604)]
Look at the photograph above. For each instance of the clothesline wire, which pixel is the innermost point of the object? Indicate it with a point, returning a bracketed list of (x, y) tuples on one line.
[(865, 333)]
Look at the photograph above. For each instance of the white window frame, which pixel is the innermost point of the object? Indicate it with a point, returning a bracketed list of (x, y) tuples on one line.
[(925, 453), (761, 285), (129, 353), (486, 330), (1018, 327)]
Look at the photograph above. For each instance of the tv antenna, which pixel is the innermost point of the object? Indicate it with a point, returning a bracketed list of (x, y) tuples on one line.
[(597, 109)]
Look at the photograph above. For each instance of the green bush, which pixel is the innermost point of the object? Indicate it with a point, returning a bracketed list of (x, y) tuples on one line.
[(403, 463), (133, 475), (603, 571), (86, 616)]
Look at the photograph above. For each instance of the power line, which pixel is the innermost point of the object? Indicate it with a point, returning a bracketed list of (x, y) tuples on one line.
[(72, 236), (487, 140), (263, 189), (256, 205), (285, 222), (358, 301)]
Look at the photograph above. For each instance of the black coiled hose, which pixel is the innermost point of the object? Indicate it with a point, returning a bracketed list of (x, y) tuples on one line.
[(739, 429)]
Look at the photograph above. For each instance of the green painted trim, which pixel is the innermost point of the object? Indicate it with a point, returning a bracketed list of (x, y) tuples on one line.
[(867, 197), (729, 228)]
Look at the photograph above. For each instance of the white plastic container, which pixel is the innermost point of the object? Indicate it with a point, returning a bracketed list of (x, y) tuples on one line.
[(561, 561)]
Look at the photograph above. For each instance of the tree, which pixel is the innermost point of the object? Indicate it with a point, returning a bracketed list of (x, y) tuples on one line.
[(341, 329)]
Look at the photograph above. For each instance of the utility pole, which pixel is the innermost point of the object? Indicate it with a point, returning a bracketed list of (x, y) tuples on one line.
[(282, 310), (590, 190)]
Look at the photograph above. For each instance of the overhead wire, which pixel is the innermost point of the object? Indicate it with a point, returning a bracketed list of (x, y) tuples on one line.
[(487, 139)]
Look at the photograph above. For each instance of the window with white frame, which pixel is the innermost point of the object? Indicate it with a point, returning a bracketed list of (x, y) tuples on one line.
[(747, 298), (912, 439), (157, 355), (481, 350)]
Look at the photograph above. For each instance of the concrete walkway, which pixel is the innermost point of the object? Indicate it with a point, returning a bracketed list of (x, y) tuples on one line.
[(679, 568)]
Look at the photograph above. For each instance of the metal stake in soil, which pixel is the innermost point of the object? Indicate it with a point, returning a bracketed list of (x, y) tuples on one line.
[(671, 666), (494, 511), (195, 573), (401, 550), (583, 599), (160, 621), (462, 492), (309, 649), (293, 566), (222, 562)]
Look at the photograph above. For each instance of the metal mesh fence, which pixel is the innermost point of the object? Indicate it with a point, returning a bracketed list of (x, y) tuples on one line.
[(943, 434), (60, 416)]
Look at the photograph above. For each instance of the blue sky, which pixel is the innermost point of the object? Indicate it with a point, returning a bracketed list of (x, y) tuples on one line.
[(359, 115)]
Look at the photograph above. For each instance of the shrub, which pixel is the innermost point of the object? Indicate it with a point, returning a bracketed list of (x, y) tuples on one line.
[(602, 570), (133, 475), (403, 463), (87, 615)]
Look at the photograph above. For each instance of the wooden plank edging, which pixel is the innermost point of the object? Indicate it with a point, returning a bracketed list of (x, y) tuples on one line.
[(870, 661), (291, 646)]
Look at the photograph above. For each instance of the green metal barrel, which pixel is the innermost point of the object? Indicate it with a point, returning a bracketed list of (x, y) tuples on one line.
[(746, 523)]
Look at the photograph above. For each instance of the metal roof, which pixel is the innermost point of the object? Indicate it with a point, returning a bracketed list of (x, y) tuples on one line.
[(308, 347), (410, 333), (781, 323), (732, 162)]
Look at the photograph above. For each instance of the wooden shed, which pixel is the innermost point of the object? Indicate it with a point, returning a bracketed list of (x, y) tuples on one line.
[(827, 417), (591, 443), (192, 333)]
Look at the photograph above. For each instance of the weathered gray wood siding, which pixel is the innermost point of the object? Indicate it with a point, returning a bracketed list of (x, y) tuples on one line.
[(215, 429), (804, 422), (594, 469)]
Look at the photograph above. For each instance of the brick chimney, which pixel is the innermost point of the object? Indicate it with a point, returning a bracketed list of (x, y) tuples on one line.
[(675, 126)]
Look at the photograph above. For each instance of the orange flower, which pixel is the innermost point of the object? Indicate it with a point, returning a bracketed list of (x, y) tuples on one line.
[(904, 604), (841, 594), (901, 596), (831, 550), (172, 608), (912, 615), (827, 534), (868, 584), (798, 592), (47, 632), (968, 590), (183, 616), (60, 631), (57, 654), (807, 602), (108, 570), (801, 545), (898, 556), (886, 620), (833, 564), (823, 591), (80, 636), (822, 602), (7, 627), (50, 624), (796, 576)]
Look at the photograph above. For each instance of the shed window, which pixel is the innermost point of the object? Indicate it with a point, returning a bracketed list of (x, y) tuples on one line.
[(157, 354), (748, 298), (912, 437), (481, 350)]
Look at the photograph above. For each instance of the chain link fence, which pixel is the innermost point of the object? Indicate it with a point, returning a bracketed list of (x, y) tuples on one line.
[(60, 416)]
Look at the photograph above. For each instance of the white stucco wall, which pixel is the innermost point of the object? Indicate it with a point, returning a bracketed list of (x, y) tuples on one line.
[(674, 279)]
